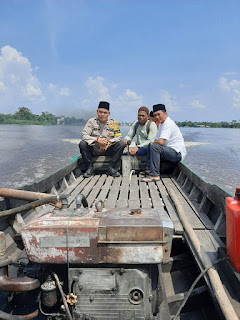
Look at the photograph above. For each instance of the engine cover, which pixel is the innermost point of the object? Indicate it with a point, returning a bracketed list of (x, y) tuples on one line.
[(111, 293), (119, 236)]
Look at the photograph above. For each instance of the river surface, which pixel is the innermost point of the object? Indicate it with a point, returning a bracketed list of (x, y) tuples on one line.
[(30, 153)]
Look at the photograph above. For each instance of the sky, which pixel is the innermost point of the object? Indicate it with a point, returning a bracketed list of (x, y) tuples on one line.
[(64, 56)]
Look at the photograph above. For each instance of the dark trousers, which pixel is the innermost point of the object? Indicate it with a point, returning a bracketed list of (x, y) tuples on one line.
[(156, 153), (114, 150)]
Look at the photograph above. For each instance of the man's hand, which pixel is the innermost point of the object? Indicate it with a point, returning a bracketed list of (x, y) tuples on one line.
[(134, 151), (160, 141), (104, 147), (127, 142), (103, 141)]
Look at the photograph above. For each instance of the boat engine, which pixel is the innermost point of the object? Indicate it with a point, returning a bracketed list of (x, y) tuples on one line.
[(108, 261)]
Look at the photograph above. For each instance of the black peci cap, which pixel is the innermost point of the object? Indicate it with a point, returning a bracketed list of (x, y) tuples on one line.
[(158, 107), (104, 105)]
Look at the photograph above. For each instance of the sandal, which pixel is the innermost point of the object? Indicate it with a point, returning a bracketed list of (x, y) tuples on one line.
[(145, 172), (150, 179)]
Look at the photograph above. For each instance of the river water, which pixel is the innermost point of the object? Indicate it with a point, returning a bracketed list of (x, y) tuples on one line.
[(30, 153)]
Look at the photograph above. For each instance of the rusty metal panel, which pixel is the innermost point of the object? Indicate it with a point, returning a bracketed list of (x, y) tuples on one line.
[(114, 236)]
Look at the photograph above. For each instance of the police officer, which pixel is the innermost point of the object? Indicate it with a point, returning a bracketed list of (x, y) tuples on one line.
[(101, 136)]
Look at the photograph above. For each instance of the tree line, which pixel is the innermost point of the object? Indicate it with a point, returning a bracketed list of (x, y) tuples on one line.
[(205, 124), (25, 116)]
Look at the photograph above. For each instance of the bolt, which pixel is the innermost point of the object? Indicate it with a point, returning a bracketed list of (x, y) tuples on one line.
[(150, 298), (165, 234), (166, 249), (122, 270), (92, 297), (80, 287), (112, 271)]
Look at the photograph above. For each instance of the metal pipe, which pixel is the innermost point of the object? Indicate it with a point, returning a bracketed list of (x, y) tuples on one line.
[(26, 195), (23, 194), (7, 316), (16, 284), (30, 205)]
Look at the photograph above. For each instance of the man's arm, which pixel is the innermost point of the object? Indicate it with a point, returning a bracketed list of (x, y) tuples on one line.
[(87, 133), (151, 135), (160, 141), (131, 133), (117, 133)]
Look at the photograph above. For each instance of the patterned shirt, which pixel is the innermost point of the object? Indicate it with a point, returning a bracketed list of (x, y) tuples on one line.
[(95, 129)]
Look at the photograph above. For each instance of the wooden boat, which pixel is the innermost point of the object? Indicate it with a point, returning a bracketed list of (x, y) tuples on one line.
[(157, 249)]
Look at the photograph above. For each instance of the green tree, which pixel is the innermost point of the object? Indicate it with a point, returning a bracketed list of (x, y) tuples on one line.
[(24, 113)]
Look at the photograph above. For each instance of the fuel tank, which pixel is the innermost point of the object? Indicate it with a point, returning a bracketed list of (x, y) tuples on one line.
[(86, 236)]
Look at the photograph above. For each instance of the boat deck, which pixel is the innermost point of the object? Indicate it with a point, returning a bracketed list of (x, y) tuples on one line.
[(130, 192)]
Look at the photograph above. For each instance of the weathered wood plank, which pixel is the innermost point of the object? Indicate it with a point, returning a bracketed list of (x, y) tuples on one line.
[(146, 202), (189, 212), (78, 190), (134, 201), (170, 208), (105, 189), (155, 196), (93, 194), (113, 194), (123, 196), (202, 216)]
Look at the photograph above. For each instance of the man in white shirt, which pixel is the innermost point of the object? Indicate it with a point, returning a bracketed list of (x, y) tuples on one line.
[(168, 145)]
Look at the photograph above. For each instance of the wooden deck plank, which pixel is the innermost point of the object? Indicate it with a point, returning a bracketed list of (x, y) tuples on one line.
[(73, 186), (155, 196), (123, 196), (146, 202), (95, 190), (113, 194), (134, 201), (80, 189), (105, 189), (170, 208), (190, 214)]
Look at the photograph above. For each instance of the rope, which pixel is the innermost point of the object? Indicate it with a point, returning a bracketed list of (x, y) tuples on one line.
[(194, 284)]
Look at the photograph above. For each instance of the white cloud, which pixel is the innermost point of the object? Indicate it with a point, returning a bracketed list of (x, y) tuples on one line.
[(197, 105), (169, 100), (65, 92), (130, 96), (97, 89), (232, 87), (16, 77), (2, 86)]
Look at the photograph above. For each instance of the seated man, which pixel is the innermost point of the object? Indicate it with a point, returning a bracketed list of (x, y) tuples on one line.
[(169, 144), (101, 136), (145, 131)]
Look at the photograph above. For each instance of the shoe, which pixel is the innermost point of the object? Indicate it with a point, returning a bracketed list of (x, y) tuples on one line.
[(89, 172), (78, 172), (113, 172)]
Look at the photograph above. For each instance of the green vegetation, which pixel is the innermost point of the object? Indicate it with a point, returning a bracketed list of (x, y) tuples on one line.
[(25, 116), (223, 124)]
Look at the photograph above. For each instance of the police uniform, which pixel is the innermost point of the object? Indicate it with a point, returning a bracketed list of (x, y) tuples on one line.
[(95, 129)]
